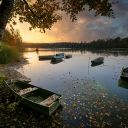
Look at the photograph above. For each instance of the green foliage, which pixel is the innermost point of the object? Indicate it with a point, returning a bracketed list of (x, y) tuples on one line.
[(1, 81), (11, 107), (100, 43), (8, 54), (2, 77), (124, 43)]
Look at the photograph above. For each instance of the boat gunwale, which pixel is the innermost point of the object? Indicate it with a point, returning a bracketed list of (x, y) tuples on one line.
[(60, 96)]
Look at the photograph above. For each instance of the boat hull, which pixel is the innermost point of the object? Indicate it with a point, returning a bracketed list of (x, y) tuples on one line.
[(124, 74), (57, 58), (96, 64), (60, 54), (47, 57), (124, 77), (42, 93), (98, 61)]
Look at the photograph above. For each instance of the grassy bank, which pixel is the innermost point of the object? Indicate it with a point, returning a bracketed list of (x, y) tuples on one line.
[(8, 54)]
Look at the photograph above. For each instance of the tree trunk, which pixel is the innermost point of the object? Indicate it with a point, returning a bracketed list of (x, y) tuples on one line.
[(5, 10)]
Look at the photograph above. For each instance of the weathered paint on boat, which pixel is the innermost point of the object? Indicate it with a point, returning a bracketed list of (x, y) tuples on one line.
[(25, 92)]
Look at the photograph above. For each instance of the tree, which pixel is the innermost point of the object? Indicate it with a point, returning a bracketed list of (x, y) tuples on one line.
[(124, 44), (43, 14), (8, 38), (12, 38)]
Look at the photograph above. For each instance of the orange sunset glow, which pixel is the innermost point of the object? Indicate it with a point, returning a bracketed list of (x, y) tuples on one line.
[(86, 28)]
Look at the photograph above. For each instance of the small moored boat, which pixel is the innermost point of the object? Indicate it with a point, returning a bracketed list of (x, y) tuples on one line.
[(36, 98), (99, 60), (46, 57), (57, 58), (68, 56), (60, 54), (124, 74)]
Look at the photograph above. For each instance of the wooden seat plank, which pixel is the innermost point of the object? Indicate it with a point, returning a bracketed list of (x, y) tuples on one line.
[(49, 100), (27, 90)]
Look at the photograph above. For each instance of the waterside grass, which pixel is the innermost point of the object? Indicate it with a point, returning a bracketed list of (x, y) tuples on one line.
[(8, 54)]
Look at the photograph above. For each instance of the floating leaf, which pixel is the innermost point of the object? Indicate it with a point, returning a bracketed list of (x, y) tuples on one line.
[(53, 125), (74, 105), (124, 109), (73, 115), (48, 103), (82, 125)]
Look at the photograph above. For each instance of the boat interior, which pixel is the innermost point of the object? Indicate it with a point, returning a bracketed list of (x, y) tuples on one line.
[(34, 94)]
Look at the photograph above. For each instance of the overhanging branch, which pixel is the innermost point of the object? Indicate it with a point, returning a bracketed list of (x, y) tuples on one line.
[(39, 17)]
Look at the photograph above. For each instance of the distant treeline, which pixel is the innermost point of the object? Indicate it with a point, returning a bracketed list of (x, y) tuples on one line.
[(101, 43)]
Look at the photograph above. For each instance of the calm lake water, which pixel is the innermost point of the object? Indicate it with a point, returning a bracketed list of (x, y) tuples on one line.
[(92, 96)]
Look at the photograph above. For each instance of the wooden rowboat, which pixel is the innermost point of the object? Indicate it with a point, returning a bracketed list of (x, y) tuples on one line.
[(36, 98), (99, 60), (124, 74)]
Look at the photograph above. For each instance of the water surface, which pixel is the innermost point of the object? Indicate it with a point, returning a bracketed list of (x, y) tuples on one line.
[(92, 96)]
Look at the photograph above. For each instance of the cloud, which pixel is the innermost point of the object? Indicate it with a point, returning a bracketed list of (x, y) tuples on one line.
[(86, 28), (121, 8), (125, 26)]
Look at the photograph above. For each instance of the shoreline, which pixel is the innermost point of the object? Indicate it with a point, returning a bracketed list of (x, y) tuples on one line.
[(10, 69)]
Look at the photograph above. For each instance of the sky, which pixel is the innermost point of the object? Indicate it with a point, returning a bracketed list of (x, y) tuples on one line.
[(86, 28)]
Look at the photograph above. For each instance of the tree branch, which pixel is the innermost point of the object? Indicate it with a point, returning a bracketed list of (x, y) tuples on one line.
[(39, 17)]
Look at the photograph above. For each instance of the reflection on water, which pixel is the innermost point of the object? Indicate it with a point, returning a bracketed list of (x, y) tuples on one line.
[(123, 84), (114, 52), (57, 61), (92, 96), (93, 65)]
